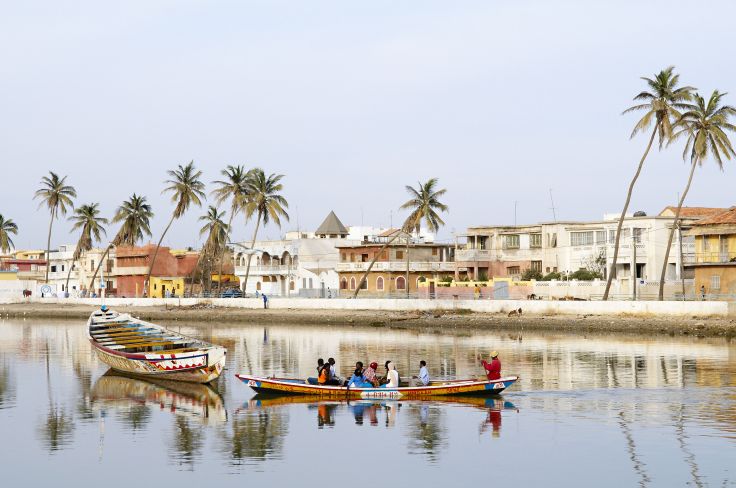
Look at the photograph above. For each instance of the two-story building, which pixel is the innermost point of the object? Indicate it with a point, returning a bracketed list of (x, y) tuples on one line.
[(714, 258), (169, 276), (60, 260)]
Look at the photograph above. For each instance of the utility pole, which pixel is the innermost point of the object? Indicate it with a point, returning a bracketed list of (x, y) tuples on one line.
[(407, 265), (633, 264), (682, 269)]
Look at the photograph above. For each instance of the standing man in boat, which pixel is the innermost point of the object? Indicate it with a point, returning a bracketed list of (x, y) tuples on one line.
[(493, 369)]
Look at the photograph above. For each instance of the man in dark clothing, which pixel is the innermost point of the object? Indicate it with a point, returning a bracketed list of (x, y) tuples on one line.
[(265, 300), (493, 369)]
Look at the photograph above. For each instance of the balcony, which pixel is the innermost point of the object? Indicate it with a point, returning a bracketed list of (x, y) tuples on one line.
[(399, 266), (706, 258), (280, 269), (473, 255)]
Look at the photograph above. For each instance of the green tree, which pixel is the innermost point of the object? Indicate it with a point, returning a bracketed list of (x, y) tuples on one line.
[(87, 219), (234, 189), (57, 196), (135, 215), (217, 232), (423, 205), (662, 105), (186, 189), (7, 227), (705, 126), (263, 200), (531, 274)]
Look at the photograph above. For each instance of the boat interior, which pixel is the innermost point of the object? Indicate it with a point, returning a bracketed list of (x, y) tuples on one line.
[(124, 334)]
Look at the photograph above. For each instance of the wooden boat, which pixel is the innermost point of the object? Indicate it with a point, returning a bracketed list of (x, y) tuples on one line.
[(471, 387), (133, 346)]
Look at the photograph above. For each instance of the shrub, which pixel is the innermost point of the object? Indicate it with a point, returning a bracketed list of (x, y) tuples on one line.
[(446, 279), (530, 274), (554, 275), (585, 275)]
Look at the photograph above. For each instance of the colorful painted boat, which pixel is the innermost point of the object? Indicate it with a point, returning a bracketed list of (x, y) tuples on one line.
[(133, 346), (287, 386)]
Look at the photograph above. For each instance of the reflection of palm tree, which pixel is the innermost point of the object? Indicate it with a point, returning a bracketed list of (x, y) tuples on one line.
[(188, 441), (428, 433), (84, 405), (258, 435), (631, 448), (689, 456), (136, 417), (57, 429), (7, 391)]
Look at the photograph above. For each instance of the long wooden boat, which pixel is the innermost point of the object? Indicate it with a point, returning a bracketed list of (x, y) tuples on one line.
[(133, 346), (287, 386)]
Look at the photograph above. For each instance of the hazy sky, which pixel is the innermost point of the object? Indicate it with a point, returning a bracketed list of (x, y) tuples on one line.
[(501, 100)]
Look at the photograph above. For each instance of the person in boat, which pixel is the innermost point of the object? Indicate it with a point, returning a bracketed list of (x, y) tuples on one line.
[(320, 374), (423, 378), (392, 375), (334, 378), (384, 379), (493, 369), (369, 375)]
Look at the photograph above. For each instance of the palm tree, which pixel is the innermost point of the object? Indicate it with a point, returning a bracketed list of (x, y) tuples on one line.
[(235, 189), (217, 231), (264, 200), (7, 227), (87, 218), (424, 204), (135, 215), (57, 196), (705, 126), (662, 106), (186, 189)]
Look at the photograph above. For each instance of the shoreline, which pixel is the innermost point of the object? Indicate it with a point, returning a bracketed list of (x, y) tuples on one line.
[(449, 320)]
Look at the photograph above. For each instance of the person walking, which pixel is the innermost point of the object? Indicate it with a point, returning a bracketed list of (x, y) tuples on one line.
[(476, 292), (493, 369), (265, 300), (702, 292)]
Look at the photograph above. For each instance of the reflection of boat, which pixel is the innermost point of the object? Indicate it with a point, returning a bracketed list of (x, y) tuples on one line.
[(285, 386), (192, 400), (133, 346), (266, 401)]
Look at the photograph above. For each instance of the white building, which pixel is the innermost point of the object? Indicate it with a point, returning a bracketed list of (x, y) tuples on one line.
[(60, 261)]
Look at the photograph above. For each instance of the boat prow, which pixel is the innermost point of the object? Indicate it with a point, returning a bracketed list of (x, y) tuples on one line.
[(133, 346)]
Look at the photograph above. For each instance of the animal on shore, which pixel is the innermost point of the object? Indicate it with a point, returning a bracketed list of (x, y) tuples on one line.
[(515, 313), (27, 293), (533, 296)]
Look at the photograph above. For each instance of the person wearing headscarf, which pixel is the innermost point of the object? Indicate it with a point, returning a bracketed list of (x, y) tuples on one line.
[(392, 376), (369, 375)]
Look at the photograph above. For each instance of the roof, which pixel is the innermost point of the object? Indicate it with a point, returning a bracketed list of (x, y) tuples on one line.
[(724, 217), (692, 212), (331, 226)]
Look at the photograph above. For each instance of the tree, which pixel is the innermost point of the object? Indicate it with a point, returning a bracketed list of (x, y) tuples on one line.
[(87, 218), (186, 190), (217, 232), (531, 274), (264, 201), (7, 227), (135, 215), (57, 196), (662, 106), (705, 126), (234, 188), (423, 206)]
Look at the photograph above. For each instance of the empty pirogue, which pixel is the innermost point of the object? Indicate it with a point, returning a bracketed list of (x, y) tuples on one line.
[(137, 347)]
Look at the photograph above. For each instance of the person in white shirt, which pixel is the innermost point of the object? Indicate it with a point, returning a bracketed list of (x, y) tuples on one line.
[(423, 378), (392, 376)]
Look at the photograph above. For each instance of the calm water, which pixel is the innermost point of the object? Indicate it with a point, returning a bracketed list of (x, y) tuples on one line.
[(589, 411)]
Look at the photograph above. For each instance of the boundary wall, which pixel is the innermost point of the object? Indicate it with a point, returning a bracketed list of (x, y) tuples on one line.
[(531, 307)]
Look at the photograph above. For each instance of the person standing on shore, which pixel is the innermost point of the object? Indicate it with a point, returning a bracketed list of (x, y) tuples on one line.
[(493, 369), (265, 300), (476, 292)]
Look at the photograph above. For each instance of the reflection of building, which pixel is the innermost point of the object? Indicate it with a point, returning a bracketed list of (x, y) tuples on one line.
[(714, 259), (507, 251), (168, 276)]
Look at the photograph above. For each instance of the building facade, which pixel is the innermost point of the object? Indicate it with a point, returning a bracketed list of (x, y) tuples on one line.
[(170, 273), (714, 258)]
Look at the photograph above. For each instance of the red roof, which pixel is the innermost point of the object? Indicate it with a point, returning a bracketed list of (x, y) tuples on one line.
[(694, 212), (721, 218)]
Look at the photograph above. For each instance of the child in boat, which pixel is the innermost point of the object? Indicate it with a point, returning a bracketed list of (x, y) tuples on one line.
[(320, 371), (392, 376)]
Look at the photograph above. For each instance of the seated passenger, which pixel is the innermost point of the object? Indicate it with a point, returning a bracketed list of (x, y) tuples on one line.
[(320, 367), (334, 378), (392, 376), (369, 375), (356, 381), (423, 378)]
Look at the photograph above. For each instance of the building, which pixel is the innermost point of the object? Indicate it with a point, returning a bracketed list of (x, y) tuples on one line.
[(565, 247), (714, 258), (388, 275), (82, 270), (173, 268), (27, 264)]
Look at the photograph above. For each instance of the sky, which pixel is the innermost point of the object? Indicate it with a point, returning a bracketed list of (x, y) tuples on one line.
[(502, 101)]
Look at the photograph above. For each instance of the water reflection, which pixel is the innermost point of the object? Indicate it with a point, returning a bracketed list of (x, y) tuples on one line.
[(7, 386), (187, 442), (57, 428), (256, 435)]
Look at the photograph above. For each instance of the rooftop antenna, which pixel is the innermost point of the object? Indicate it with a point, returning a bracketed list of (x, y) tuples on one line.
[(554, 214), (298, 229), (515, 203)]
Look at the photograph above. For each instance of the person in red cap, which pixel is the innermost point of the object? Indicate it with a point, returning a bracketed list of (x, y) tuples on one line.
[(370, 373), (493, 369)]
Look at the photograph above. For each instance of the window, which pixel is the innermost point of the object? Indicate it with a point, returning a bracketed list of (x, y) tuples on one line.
[(352, 283), (536, 266), (363, 284), (434, 251), (535, 240), (304, 282), (511, 241), (399, 254), (62, 269), (364, 258), (379, 283), (552, 239), (513, 270), (53, 269), (343, 284), (637, 234), (715, 282), (581, 238), (400, 283), (344, 257), (311, 283), (600, 237), (612, 237), (258, 286), (384, 256), (625, 234), (291, 285), (547, 269)]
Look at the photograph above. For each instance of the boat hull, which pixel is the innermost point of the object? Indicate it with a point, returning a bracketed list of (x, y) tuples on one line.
[(280, 386)]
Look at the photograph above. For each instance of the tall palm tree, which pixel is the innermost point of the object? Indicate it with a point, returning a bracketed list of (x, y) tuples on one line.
[(135, 215), (7, 227), (662, 107), (424, 205), (233, 188), (265, 201), (705, 126), (217, 231), (87, 218), (186, 190), (57, 196)]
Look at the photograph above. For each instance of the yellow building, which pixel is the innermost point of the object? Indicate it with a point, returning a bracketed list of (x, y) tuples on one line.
[(160, 285), (714, 260), (8, 275)]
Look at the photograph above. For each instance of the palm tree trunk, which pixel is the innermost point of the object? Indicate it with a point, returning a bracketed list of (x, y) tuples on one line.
[(674, 226), (68, 275), (155, 253), (612, 272), (250, 255), (407, 266), (97, 270), (373, 261), (48, 245), (222, 254)]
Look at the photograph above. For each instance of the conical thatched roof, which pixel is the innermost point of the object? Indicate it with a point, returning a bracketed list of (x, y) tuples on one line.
[(331, 226)]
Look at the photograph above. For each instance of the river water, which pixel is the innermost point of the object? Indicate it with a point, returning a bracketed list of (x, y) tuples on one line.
[(591, 410)]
